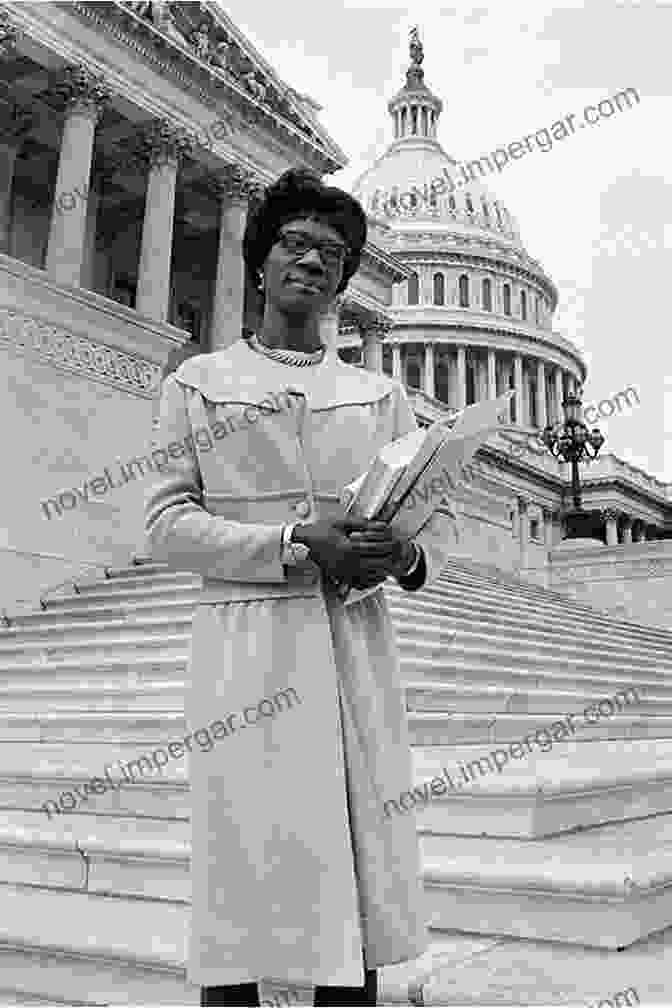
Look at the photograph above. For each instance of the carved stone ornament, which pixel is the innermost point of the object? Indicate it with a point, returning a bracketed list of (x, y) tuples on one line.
[(82, 90), (8, 35), (79, 354), (162, 142), (237, 183)]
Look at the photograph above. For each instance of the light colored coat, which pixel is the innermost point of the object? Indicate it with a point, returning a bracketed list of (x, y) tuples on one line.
[(295, 867)]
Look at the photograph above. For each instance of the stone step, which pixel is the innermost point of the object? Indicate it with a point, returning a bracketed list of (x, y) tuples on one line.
[(43, 698), (151, 729), (492, 698), (503, 613), (570, 786), (95, 650), (510, 634), (483, 970), (145, 632), (548, 658), (434, 729), (458, 668), (542, 599), (90, 616), (606, 887), (146, 859)]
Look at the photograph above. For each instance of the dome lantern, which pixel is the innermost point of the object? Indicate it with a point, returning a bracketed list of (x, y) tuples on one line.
[(415, 110)]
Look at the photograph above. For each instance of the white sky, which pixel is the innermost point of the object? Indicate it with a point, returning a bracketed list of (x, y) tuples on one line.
[(596, 210)]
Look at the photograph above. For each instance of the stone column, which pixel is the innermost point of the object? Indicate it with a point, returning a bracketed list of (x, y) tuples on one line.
[(559, 396), (233, 189), (396, 362), (627, 530), (85, 97), (165, 147), (8, 155), (518, 386), (492, 374), (542, 416), (461, 377), (523, 529), (611, 518), (329, 325), (429, 370), (13, 129), (548, 529), (373, 334)]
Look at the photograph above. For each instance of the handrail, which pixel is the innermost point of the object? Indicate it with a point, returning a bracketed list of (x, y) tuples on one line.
[(97, 566)]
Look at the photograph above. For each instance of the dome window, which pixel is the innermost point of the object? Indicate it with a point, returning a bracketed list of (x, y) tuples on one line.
[(507, 298), (487, 294), (499, 216), (413, 289), (470, 205), (464, 291), (536, 308), (451, 202), (439, 289), (523, 306)]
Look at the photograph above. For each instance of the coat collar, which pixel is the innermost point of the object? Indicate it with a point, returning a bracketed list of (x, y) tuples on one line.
[(238, 374)]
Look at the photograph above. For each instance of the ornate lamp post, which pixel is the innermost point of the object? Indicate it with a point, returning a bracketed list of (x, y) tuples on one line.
[(573, 442)]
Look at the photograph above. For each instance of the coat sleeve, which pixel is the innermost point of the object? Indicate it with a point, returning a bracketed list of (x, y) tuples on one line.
[(179, 530), (438, 536)]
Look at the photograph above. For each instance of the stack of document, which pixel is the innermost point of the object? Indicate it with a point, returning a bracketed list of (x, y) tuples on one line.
[(412, 475)]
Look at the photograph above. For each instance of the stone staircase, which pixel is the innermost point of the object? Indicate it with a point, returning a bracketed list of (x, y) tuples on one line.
[(559, 857)]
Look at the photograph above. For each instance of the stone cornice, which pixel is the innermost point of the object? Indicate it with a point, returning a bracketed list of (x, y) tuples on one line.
[(553, 349), (529, 271), (206, 81), (389, 264)]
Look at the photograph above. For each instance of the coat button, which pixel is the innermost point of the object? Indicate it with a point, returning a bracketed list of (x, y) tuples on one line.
[(302, 508)]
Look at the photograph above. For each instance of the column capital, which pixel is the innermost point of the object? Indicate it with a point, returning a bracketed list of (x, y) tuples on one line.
[(8, 36), (235, 183), (162, 143), (15, 123), (611, 514), (377, 328), (82, 91)]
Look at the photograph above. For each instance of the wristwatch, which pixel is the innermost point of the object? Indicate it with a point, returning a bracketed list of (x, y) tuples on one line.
[(292, 553)]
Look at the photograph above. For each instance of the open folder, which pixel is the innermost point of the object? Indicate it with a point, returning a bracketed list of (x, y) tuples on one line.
[(410, 476)]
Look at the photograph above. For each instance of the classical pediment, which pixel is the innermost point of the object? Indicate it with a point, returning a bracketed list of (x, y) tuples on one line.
[(204, 44)]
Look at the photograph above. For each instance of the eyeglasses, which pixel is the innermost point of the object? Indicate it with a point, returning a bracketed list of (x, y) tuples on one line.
[(297, 243)]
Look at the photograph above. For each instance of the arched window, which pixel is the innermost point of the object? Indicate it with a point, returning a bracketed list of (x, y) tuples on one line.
[(413, 289), (507, 299), (523, 306), (486, 212), (432, 198), (487, 294), (470, 205), (439, 289), (499, 216), (451, 202), (464, 291)]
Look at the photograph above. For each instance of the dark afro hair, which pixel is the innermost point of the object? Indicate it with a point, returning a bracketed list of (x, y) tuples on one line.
[(299, 193)]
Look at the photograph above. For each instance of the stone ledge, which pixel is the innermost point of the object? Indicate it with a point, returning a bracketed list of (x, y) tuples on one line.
[(606, 887)]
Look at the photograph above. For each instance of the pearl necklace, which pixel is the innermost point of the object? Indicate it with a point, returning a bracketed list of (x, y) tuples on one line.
[(294, 358)]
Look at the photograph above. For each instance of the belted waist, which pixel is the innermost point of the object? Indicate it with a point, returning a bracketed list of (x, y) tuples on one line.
[(300, 584)]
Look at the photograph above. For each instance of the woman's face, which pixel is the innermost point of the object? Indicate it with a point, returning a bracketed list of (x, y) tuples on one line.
[(298, 279)]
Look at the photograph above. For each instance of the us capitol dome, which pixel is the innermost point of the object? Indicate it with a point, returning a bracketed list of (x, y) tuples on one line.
[(475, 316)]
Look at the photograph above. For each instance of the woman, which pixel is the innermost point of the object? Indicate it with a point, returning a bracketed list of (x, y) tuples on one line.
[(296, 873)]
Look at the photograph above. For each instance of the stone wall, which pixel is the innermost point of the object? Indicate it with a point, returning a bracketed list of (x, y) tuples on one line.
[(633, 582)]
